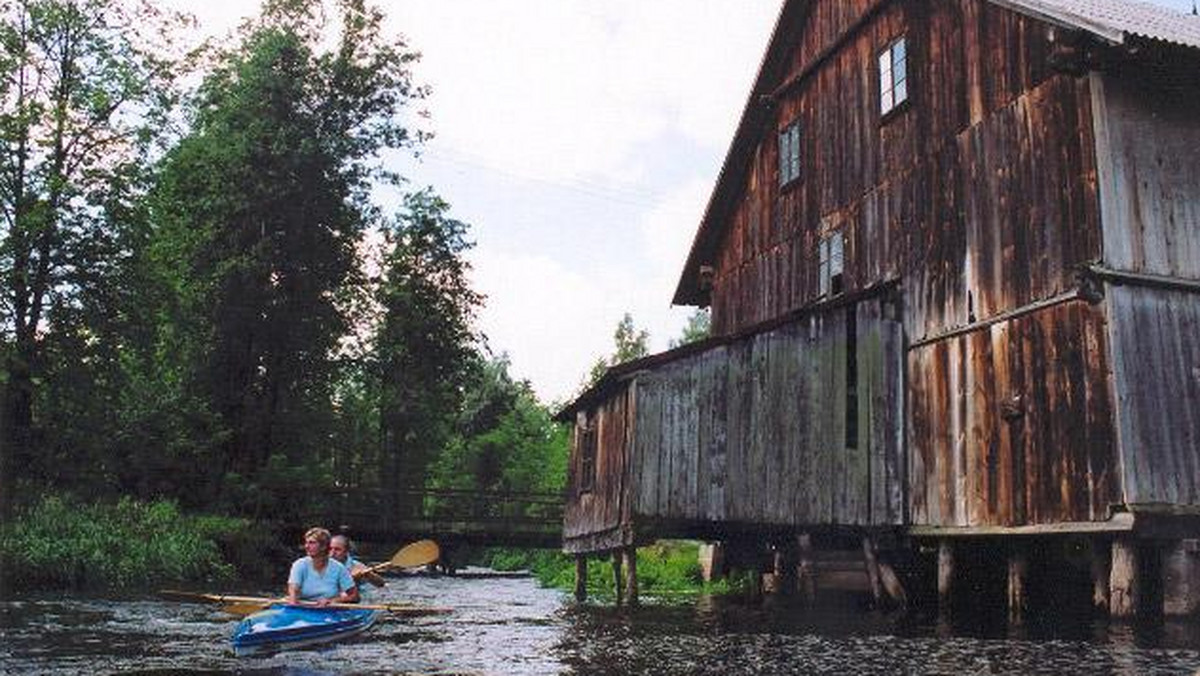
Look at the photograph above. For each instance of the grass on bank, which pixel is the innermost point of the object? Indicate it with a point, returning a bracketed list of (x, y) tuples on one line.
[(61, 543), (667, 568)]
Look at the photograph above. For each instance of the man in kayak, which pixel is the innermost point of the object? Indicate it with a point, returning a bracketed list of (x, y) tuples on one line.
[(318, 578), (339, 549)]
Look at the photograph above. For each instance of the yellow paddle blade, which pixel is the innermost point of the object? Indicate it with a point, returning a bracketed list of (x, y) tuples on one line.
[(243, 608), (420, 553)]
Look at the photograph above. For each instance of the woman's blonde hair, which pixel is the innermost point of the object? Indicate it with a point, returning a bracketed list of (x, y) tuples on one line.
[(319, 534)]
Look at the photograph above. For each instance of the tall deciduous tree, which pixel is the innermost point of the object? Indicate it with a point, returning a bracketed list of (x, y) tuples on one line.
[(82, 85), (425, 340), (264, 206), (629, 343)]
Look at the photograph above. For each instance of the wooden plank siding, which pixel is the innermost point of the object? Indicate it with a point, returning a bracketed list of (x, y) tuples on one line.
[(1157, 331), (1012, 425), (753, 433), (596, 510), (981, 190), (1022, 258)]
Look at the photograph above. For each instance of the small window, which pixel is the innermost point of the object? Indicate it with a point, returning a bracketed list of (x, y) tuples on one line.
[(789, 153), (893, 76), (587, 452), (831, 264)]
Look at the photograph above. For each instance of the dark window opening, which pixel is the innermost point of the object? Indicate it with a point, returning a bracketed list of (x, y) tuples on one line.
[(587, 464), (789, 153), (831, 265), (852, 377)]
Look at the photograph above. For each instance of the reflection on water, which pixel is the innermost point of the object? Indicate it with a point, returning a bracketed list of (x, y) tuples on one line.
[(510, 626)]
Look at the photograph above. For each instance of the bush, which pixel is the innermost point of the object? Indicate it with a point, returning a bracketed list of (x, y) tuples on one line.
[(664, 569), (61, 543)]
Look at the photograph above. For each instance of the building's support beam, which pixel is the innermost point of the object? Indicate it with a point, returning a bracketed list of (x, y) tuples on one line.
[(631, 583), (712, 561), (1181, 578), (945, 577), (618, 581), (871, 561), (1018, 583), (581, 577), (1101, 575), (805, 570), (1124, 579)]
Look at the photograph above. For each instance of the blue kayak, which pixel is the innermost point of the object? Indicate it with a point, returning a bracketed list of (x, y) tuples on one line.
[(281, 627)]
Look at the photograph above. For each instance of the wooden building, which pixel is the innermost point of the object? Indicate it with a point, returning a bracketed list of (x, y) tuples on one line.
[(953, 262)]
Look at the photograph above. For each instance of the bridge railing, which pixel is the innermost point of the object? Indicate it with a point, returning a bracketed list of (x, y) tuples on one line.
[(369, 509)]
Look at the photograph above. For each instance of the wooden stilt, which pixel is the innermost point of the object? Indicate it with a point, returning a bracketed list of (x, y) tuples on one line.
[(871, 561), (805, 572), (1124, 583), (1101, 565), (945, 577), (1181, 578), (1018, 584), (892, 585), (580, 578), (712, 561), (631, 583), (618, 582)]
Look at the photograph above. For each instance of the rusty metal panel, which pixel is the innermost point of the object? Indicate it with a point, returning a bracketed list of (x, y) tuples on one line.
[(1157, 331), (1012, 424)]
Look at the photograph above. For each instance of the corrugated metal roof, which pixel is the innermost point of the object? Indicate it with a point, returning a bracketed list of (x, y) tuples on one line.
[(1116, 20)]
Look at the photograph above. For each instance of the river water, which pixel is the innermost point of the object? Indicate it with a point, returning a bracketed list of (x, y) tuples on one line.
[(513, 626)]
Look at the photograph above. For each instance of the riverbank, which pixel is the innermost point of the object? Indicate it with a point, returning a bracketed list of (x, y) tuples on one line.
[(668, 568), (60, 542)]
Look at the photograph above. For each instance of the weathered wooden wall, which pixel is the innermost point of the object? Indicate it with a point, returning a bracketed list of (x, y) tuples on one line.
[(754, 432), (1012, 425), (981, 191), (593, 518), (1157, 332), (1148, 137)]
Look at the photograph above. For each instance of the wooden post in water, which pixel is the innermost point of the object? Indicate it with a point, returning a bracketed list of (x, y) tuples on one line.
[(580, 577), (1101, 573), (631, 584), (618, 582), (805, 573), (1018, 587), (871, 560), (1181, 578), (1124, 579), (945, 577)]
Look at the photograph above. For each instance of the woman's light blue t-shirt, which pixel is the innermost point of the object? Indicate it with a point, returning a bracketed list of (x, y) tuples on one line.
[(327, 584)]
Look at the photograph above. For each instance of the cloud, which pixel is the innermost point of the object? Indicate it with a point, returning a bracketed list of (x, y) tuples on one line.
[(560, 89)]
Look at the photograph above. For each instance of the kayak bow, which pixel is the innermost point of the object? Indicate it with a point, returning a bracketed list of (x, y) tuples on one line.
[(282, 627)]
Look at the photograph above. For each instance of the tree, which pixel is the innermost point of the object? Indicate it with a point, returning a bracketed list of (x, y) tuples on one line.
[(262, 210), (425, 341), (629, 343), (699, 327), (82, 86)]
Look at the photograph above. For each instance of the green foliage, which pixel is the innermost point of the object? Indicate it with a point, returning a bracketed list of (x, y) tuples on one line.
[(699, 327), (261, 211), (629, 343), (83, 86), (425, 341), (666, 568), (61, 543)]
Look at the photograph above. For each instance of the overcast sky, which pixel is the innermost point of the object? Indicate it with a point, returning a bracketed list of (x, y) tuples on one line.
[(581, 140)]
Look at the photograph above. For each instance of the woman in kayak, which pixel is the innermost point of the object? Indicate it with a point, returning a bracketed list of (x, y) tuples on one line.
[(318, 578)]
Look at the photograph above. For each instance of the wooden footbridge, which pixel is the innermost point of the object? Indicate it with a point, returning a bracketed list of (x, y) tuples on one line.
[(490, 518)]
